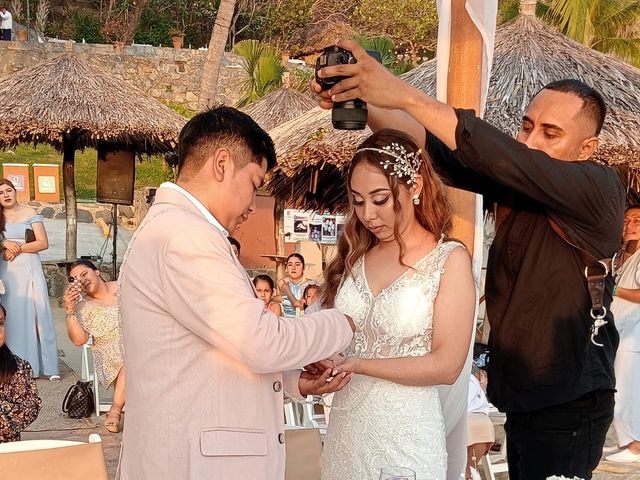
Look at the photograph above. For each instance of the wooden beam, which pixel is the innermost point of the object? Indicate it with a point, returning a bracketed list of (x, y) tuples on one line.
[(68, 181), (464, 82)]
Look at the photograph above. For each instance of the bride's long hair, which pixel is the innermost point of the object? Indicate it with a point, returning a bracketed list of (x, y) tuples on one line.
[(432, 213)]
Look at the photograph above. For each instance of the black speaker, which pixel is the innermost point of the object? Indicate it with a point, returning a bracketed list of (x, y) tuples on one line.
[(116, 175)]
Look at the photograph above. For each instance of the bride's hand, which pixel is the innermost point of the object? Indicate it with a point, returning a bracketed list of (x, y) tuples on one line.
[(347, 365), (333, 361)]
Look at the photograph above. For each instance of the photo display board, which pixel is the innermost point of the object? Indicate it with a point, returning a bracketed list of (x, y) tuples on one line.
[(304, 225)]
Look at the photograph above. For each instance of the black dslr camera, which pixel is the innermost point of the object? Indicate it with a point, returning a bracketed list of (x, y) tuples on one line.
[(350, 115)]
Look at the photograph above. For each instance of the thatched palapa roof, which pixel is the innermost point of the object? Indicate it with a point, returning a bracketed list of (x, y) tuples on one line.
[(279, 107), (312, 156), (70, 104), (68, 96)]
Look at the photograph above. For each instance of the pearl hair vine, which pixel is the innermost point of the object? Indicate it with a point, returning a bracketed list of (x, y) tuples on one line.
[(404, 165)]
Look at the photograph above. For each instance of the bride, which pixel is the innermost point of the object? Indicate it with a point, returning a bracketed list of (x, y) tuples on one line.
[(412, 296)]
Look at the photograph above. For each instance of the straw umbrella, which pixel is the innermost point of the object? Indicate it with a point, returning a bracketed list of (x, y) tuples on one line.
[(279, 107), (274, 109), (312, 156), (71, 105)]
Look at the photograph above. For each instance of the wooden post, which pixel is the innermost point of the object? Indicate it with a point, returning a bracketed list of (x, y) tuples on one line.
[(69, 183), (278, 221), (464, 83), (464, 88)]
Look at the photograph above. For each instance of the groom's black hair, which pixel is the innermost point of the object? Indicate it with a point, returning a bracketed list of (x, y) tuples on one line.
[(223, 127)]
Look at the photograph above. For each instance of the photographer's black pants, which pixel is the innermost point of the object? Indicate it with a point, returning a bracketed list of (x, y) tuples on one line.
[(6, 34), (565, 439)]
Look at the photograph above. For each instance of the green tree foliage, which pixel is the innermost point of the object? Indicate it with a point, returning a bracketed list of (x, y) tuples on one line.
[(600, 24), (263, 67), (604, 25), (80, 25), (411, 24), (383, 45)]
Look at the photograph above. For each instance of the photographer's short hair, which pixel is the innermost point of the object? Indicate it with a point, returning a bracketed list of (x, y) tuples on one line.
[(635, 206), (223, 127), (593, 105)]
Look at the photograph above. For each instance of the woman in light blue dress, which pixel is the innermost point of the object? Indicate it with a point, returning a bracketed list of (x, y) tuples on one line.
[(29, 329)]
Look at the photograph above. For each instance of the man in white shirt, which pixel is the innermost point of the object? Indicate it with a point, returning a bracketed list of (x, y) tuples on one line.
[(6, 24)]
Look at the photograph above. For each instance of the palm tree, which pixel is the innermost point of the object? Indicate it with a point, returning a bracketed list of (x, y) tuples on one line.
[(263, 67), (600, 24), (609, 26), (211, 72)]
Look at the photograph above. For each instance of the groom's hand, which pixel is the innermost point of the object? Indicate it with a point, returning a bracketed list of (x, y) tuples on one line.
[(319, 384)]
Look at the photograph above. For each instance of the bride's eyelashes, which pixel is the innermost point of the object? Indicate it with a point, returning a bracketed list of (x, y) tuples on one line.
[(359, 203)]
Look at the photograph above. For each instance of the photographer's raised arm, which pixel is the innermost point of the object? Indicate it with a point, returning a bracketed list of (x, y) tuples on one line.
[(370, 81)]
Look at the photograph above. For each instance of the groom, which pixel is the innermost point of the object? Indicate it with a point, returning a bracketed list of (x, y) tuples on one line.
[(204, 357)]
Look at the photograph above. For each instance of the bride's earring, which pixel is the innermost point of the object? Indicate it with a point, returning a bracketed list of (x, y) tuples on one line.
[(416, 200)]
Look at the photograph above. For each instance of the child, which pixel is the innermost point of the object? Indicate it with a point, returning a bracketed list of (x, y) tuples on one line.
[(310, 294), (264, 286)]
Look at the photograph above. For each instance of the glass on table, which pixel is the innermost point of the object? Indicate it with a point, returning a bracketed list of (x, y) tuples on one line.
[(397, 473)]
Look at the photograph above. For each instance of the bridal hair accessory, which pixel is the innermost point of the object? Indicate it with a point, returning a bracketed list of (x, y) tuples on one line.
[(405, 164)]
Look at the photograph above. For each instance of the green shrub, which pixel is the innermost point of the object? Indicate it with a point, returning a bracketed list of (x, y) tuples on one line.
[(180, 109), (84, 25)]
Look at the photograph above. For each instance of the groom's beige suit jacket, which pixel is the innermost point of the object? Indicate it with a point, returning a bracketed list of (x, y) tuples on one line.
[(204, 358)]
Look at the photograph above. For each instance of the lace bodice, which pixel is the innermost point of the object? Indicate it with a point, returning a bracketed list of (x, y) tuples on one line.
[(398, 322), (375, 423)]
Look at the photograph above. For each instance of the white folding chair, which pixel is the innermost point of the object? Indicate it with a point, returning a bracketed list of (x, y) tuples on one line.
[(290, 415), (89, 375), (497, 462)]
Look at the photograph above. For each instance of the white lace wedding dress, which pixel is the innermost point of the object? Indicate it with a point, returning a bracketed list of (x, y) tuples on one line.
[(375, 423)]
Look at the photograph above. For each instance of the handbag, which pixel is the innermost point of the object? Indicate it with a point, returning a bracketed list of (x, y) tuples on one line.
[(29, 236), (78, 402)]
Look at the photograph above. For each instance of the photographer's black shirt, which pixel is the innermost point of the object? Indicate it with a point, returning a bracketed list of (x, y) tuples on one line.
[(538, 305)]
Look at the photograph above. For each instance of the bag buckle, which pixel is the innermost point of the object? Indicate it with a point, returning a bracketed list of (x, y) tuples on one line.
[(598, 321)]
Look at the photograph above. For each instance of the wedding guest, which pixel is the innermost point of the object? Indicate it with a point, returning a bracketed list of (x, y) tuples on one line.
[(6, 24), (19, 400), (265, 287), (626, 311), (235, 246), (30, 332), (92, 309), (292, 286), (311, 293)]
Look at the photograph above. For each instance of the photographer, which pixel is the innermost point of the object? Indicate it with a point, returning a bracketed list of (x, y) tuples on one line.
[(547, 371)]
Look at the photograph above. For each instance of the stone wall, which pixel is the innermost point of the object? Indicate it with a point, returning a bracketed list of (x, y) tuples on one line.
[(167, 74)]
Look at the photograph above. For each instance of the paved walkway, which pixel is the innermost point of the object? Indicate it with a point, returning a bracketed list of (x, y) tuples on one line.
[(91, 241), (53, 424)]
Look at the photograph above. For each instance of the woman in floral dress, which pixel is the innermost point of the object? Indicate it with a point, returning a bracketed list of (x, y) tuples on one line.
[(19, 400), (92, 309)]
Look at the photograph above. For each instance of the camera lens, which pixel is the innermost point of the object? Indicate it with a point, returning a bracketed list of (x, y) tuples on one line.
[(342, 59), (350, 115)]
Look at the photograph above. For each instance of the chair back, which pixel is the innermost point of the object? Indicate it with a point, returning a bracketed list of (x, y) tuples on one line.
[(53, 460), (303, 450)]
